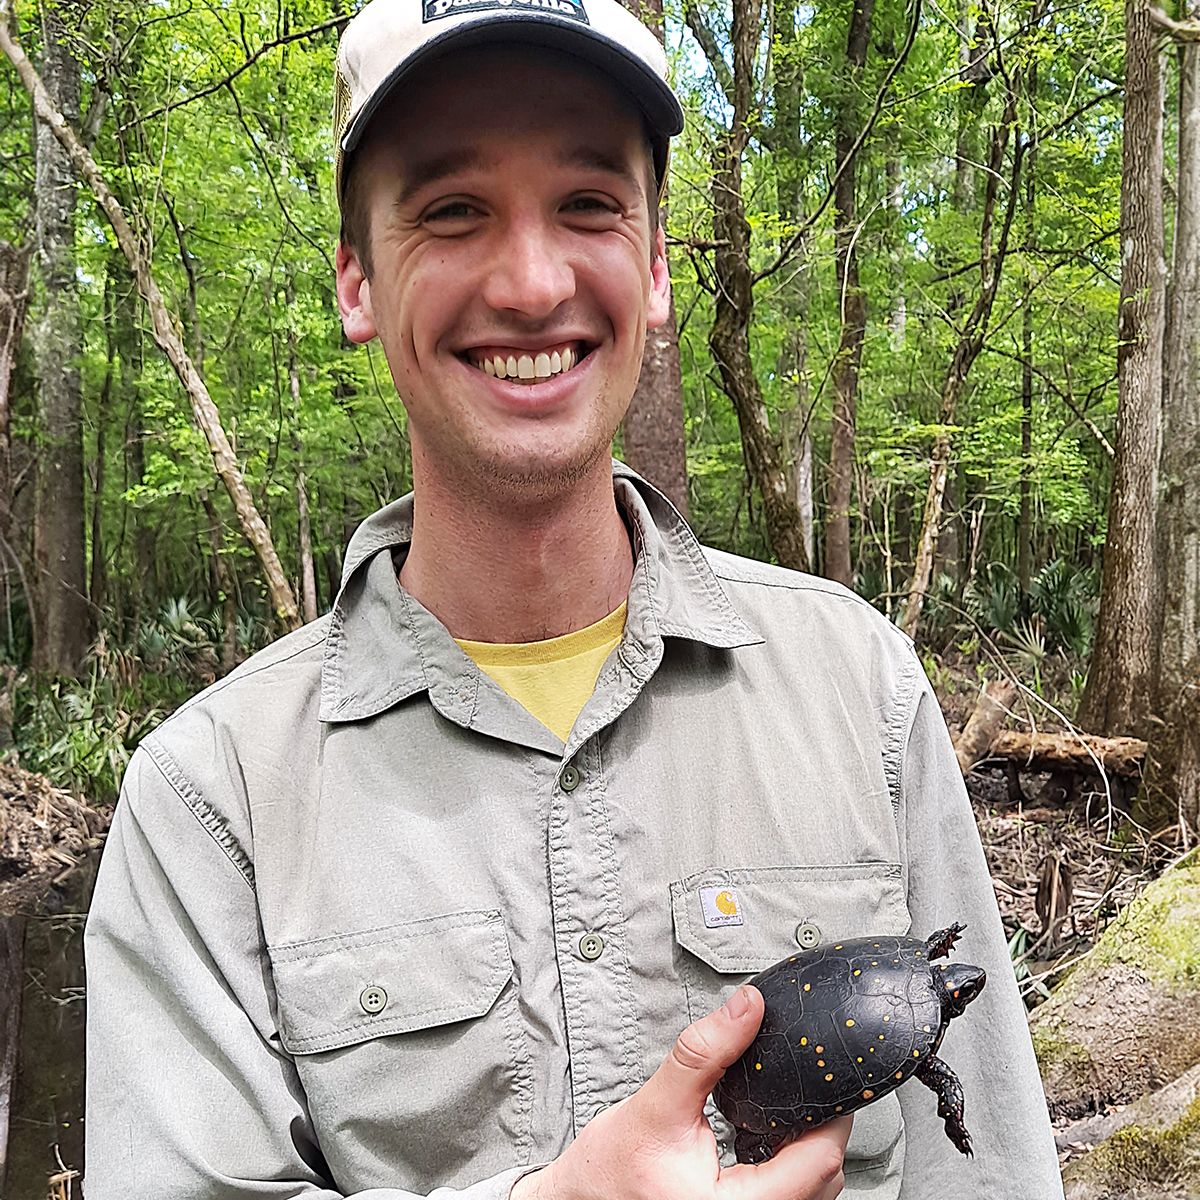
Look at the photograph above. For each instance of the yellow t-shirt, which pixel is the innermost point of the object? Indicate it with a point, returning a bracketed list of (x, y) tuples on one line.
[(552, 679)]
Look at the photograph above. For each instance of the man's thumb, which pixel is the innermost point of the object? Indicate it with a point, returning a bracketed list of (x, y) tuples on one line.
[(678, 1089)]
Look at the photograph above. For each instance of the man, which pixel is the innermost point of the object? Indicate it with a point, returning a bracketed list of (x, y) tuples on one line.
[(419, 899)]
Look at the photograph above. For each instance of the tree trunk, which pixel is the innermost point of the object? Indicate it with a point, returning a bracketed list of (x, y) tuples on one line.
[(12, 989), (1173, 783), (14, 302), (164, 325), (653, 435), (1025, 504), (1117, 698), (852, 300), (58, 338), (308, 578), (729, 338)]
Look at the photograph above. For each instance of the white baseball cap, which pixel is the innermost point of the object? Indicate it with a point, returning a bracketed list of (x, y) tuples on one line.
[(388, 39)]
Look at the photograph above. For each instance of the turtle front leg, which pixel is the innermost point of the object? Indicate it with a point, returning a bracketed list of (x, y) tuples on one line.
[(752, 1147), (939, 944), (943, 1082)]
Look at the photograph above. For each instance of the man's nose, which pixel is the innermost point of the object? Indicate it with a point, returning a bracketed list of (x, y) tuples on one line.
[(529, 272)]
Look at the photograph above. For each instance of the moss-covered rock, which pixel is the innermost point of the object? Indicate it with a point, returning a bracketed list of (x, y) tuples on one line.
[(1127, 1019), (1151, 1160)]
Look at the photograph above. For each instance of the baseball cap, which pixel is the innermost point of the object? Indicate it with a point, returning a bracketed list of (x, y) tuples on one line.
[(389, 39)]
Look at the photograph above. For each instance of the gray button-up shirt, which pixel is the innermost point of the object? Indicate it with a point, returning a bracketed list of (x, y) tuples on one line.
[(358, 930)]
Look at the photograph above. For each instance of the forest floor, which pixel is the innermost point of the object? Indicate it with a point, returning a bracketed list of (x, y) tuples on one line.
[(1078, 828)]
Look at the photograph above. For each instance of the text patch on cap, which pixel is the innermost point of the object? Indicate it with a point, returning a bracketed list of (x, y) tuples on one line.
[(720, 906), (432, 9)]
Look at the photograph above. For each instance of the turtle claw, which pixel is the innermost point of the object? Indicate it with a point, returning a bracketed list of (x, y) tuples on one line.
[(939, 945)]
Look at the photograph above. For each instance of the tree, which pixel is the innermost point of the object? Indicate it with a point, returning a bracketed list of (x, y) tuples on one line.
[(852, 299), (1118, 695), (1173, 776), (59, 540)]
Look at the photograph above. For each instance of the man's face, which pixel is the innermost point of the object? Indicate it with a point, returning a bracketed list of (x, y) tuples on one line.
[(514, 270)]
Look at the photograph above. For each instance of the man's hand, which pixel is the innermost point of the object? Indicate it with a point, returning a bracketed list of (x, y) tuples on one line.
[(656, 1145)]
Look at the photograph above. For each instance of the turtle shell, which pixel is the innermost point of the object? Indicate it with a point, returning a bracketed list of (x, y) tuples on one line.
[(844, 1025)]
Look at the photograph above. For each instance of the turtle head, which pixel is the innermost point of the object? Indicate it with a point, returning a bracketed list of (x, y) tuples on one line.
[(962, 983)]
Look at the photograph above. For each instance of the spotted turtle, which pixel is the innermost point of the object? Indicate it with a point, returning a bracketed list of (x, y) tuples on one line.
[(846, 1024)]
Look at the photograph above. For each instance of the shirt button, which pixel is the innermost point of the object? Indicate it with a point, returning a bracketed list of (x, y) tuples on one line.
[(807, 935), (568, 780), (591, 946), (372, 999)]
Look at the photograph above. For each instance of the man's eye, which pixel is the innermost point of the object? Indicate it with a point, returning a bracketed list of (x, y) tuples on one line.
[(456, 210), (589, 204)]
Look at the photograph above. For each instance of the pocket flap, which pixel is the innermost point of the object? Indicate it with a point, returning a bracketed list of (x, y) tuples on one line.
[(337, 991), (843, 901)]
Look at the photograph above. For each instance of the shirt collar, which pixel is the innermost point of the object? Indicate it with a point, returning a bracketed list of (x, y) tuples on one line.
[(383, 646)]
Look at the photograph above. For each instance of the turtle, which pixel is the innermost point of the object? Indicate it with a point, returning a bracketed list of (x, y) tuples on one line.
[(845, 1024)]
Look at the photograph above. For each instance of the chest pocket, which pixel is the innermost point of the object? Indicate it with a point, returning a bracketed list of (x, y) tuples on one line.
[(410, 1047), (731, 924)]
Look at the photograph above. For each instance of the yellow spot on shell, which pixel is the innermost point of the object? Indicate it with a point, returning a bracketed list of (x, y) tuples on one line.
[(926, 1028), (867, 1093), (860, 1058), (916, 1054), (858, 972), (849, 1023), (820, 1049), (828, 1077), (808, 1118), (956, 993), (808, 987), (887, 1018), (758, 1066), (898, 1075), (820, 1062), (875, 944), (804, 1041), (838, 1108), (773, 1123)]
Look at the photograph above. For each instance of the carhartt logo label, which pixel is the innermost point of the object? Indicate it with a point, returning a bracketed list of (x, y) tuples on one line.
[(720, 907), (432, 9)]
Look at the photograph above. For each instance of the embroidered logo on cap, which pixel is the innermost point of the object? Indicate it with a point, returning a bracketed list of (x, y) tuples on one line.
[(431, 10), (720, 907)]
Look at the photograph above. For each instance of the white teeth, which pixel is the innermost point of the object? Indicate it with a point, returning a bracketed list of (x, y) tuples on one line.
[(528, 367)]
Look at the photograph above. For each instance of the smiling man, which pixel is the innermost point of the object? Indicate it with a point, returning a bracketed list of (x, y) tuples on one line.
[(419, 899)]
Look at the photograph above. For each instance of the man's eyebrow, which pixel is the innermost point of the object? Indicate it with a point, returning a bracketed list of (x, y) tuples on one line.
[(423, 172), (595, 159)]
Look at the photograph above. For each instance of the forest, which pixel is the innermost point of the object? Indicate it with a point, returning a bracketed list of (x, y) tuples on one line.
[(935, 336)]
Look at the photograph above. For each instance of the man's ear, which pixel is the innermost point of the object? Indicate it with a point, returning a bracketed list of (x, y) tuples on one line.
[(658, 306), (354, 296)]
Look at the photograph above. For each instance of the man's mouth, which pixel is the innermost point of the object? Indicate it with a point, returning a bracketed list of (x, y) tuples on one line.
[(526, 366)]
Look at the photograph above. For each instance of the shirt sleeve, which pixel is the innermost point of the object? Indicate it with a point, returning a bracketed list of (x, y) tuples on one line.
[(189, 1094), (988, 1047)]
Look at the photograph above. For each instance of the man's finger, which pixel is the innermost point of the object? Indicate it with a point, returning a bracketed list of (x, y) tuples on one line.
[(676, 1092), (806, 1169)]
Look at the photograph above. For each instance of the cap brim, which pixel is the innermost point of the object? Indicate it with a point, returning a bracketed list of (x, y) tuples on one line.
[(651, 94)]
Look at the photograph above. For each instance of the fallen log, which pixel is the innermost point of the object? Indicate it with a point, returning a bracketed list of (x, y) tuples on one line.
[(972, 745), (1083, 753)]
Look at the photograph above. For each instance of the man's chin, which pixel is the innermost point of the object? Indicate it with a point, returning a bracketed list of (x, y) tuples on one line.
[(537, 478)]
